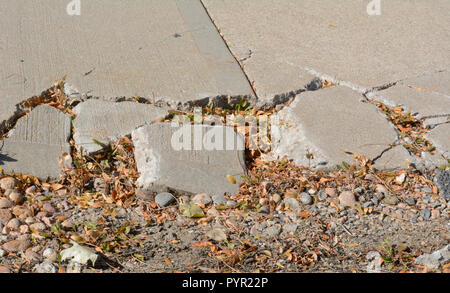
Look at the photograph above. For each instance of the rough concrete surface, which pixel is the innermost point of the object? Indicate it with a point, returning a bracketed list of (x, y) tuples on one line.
[(155, 49), (336, 38), (328, 121), (189, 170), (107, 121), (36, 143), (424, 96), (440, 137)]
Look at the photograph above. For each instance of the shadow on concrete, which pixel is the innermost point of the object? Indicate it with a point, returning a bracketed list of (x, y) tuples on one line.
[(5, 157)]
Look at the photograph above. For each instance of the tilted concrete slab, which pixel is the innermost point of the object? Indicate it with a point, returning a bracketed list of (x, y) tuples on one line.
[(105, 122), (329, 122), (36, 143), (155, 49), (197, 167), (336, 38), (425, 96), (440, 137)]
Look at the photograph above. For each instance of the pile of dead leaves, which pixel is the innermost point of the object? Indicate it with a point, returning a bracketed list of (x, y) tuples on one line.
[(408, 126), (108, 175)]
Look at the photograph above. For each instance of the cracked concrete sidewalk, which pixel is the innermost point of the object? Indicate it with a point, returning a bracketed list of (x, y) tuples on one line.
[(177, 54)]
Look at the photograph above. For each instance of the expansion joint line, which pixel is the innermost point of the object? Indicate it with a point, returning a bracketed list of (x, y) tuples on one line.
[(228, 47)]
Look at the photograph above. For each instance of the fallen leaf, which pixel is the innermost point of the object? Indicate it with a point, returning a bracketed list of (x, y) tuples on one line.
[(168, 261), (217, 235), (231, 179), (192, 211), (303, 214)]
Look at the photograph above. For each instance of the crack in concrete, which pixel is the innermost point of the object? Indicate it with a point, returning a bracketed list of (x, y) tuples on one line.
[(228, 47)]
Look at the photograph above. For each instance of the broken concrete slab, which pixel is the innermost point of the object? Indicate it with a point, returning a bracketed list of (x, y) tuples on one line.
[(105, 122), (440, 138), (424, 96), (189, 158), (396, 158), (328, 122), (285, 41), (436, 82), (36, 143), (170, 51)]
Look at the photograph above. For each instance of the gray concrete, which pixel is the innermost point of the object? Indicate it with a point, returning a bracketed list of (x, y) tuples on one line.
[(107, 121), (36, 143), (440, 137), (288, 38), (194, 171), (329, 121), (156, 49), (425, 96)]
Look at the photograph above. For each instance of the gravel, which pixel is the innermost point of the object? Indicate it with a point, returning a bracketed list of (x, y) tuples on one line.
[(443, 183)]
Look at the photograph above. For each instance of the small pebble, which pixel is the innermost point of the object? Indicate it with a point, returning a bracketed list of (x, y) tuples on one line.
[(367, 204), (38, 227), (435, 214), (231, 203), (322, 195), (411, 201), (164, 199), (24, 229), (425, 214), (2, 253), (219, 199), (381, 189), (264, 209), (202, 198), (305, 198), (31, 256), (4, 270), (16, 245), (16, 197), (50, 255), (67, 224), (276, 198), (8, 183), (13, 224), (48, 208), (391, 200), (347, 199), (5, 203), (292, 203), (331, 191), (31, 190), (45, 268)]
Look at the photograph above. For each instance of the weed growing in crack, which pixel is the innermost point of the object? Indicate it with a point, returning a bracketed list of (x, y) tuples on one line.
[(410, 129)]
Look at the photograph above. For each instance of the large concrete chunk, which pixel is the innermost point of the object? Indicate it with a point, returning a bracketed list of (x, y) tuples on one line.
[(151, 48), (36, 143), (338, 38), (327, 123), (105, 122), (190, 158), (440, 137), (428, 95)]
